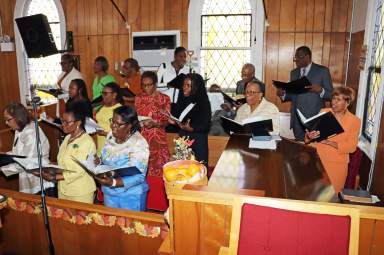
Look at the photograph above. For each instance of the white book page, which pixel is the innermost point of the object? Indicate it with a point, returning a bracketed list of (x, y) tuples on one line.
[(143, 118), (43, 116), (91, 126), (317, 115), (96, 169), (305, 120), (183, 113), (234, 121), (216, 99)]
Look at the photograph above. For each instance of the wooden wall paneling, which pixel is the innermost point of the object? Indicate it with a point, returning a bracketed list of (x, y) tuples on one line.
[(317, 47), (92, 18), (82, 17), (271, 60), (123, 6), (328, 15), (160, 10), (319, 16), (309, 39), (301, 15), (70, 10), (286, 53), (336, 61), (299, 41), (107, 17), (273, 10), (145, 6), (134, 15), (310, 15), (287, 18), (326, 49), (340, 15)]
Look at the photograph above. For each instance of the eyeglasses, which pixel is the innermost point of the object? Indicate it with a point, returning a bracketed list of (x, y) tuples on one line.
[(296, 57), (116, 124), (66, 123), (104, 93), (8, 120), (252, 92)]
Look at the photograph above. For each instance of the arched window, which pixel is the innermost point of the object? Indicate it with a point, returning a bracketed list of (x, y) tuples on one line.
[(224, 36), (40, 72)]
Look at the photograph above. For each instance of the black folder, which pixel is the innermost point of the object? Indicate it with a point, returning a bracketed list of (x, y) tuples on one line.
[(127, 92), (52, 92), (97, 101), (6, 159), (325, 122), (177, 82), (233, 101), (295, 87), (256, 128), (117, 172)]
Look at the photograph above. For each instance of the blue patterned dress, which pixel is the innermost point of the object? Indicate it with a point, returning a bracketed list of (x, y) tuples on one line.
[(133, 152)]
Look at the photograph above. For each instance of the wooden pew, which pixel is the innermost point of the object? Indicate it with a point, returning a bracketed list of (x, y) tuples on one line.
[(23, 231), (200, 221)]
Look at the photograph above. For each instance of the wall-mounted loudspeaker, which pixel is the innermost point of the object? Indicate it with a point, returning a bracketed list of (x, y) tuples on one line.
[(37, 36)]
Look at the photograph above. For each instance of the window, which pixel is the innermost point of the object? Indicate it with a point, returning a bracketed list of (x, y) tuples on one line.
[(41, 72), (374, 79), (225, 40)]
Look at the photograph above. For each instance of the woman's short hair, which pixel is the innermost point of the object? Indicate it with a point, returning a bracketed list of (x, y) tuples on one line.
[(179, 49), (103, 62), (77, 110), (133, 63), (347, 93), (115, 89), (259, 84), (150, 74), (19, 113), (128, 115), (81, 87)]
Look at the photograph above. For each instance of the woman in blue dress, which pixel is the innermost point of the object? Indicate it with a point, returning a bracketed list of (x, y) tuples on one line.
[(125, 147)]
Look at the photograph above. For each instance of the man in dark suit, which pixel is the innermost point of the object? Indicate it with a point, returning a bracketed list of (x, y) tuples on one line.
[(309, 103), (247, 75)]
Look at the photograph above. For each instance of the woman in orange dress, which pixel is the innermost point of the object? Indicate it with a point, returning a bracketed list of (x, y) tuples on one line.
[(154, 105), (334, 152)]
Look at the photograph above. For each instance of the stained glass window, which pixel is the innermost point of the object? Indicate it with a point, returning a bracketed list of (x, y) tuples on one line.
[(225, 40), (43, 72), (374, 77)]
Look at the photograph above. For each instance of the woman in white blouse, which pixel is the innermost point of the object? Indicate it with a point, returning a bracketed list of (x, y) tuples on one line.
[(258, 106), (24, 144)]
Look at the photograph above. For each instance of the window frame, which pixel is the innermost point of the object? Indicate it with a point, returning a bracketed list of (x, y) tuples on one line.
[(257, 33), (365, 144), (20, 8)]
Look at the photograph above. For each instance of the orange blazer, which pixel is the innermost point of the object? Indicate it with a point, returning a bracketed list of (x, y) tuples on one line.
[(346, 141)]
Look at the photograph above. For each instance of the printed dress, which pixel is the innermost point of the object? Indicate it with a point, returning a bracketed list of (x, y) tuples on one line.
[(156, 108), (133, 152)]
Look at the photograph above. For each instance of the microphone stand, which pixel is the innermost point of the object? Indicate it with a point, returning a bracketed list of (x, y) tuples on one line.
[(35, 101)]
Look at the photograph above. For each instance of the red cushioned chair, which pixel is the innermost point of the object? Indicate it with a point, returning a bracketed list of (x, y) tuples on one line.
[(279, 226)]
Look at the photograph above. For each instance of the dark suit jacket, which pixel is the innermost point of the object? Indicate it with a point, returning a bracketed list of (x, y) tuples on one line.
[(309, 103)]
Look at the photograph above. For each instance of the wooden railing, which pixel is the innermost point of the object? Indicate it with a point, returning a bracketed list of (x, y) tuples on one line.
[(77, 228)]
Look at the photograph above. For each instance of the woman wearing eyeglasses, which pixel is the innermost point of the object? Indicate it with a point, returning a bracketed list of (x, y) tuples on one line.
[(24, 144), (258, 106), (154, 105), (74, 184), (111, 100), (125, 147)]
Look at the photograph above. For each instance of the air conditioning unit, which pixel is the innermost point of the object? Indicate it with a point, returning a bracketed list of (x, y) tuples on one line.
[(152, 48)]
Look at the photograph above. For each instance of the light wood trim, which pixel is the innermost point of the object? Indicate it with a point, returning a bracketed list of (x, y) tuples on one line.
[(61, 203), (311, 207), (224, 250), (165, 247)]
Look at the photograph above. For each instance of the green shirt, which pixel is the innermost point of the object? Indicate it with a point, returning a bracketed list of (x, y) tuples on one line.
[(98, 84)]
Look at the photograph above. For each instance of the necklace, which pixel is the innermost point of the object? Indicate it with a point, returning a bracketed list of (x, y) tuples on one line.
[(71, 139)]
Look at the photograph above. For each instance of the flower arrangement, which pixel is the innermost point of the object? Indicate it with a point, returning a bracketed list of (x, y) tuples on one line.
[(183, 150)]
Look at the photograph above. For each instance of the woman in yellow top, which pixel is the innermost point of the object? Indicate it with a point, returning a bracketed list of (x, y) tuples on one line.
[(111, 100), (334, 151), (75, 184)]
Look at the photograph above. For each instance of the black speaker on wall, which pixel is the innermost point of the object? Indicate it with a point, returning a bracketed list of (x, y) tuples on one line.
[(37, 36)]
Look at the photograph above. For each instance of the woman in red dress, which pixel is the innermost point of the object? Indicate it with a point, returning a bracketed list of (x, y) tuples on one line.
[(154, 105)]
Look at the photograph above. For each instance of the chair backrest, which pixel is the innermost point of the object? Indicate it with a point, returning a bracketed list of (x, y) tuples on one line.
[(279, 226)]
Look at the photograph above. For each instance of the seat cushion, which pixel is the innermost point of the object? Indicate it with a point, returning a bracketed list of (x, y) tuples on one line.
[(266, 230)]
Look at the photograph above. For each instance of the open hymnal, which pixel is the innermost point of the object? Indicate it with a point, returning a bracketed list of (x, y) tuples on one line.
[(257, 126), (296, 87), (91, 126), (325, 122), (31, 165), (238, 99), (183, 114), (6, 159), (43, 117), (144, 118), (177, 82), (111, 171)]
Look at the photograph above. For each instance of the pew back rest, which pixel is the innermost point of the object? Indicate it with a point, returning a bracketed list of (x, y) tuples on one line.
[(269, 224)]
